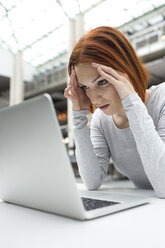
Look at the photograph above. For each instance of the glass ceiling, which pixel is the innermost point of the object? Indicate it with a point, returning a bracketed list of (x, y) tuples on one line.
[(40, 28)]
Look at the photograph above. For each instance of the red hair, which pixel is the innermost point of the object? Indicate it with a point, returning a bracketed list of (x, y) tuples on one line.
[(108, 46)]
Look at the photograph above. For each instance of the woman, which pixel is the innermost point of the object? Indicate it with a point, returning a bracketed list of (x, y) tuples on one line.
[(128, 123)]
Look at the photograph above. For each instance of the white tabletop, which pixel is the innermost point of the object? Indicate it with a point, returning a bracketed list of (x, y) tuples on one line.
[(137, 227)]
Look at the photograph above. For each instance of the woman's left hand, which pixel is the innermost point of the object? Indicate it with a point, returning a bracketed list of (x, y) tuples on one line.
[(119, 80)]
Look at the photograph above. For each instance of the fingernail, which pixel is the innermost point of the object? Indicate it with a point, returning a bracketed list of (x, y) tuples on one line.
[(93, 63)]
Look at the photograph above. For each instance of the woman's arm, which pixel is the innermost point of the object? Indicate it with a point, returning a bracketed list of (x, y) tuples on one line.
[(92, 157), (150, 142), (92, 162)]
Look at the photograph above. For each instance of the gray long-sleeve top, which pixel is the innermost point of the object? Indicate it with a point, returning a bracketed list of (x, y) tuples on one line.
[(138, 151)]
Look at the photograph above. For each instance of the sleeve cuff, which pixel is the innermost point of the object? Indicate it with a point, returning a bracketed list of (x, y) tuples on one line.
[(130, 100), (80, 113)]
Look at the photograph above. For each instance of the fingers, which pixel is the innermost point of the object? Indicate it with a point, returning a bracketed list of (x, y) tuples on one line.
[(67, 91), (70, 91), (106, 76), (74, 81), (108, 70), (72, 68)]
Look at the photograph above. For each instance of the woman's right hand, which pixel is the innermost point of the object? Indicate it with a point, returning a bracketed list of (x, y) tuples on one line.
[(76, 94)]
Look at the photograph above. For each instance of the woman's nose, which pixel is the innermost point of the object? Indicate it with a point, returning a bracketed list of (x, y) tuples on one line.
[(95, 97)]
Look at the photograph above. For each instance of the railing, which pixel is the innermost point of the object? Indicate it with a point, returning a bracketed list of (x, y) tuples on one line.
[(48, 79), (148, 37), (145, 42)]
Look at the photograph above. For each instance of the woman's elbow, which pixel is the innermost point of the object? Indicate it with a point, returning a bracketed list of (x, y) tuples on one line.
[(92, 186), (160, 192), (161, 195)]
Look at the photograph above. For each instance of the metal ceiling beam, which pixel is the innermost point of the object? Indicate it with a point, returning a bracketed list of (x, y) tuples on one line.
[(43, 37), (8, 47), (144, 17), (59, 3), (93, 6), (10, 23), (79, 6), (53, 59), (4, 16)]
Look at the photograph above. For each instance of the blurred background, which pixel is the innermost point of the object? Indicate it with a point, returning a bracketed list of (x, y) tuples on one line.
[(36, 39)]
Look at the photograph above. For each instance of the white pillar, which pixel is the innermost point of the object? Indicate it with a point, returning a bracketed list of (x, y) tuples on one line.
[(71, 43), (76, 30), (79, 26), (16, 81)]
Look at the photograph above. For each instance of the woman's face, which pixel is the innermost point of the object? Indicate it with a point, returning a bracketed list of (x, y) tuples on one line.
[(101, 92)]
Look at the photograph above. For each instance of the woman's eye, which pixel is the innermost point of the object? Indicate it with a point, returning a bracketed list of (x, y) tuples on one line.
[(84, 87), (102, 82)]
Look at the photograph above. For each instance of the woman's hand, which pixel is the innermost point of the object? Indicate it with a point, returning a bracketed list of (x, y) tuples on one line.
[(119, 80), (76, 94)]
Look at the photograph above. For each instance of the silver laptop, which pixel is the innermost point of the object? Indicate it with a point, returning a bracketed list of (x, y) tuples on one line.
[(35, 169)]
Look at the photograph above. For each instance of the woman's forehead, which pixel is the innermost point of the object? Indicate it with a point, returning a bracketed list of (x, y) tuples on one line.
[(84, 71)]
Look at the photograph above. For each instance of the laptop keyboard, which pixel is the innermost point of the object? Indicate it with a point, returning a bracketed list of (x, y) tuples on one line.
[(91, 204)]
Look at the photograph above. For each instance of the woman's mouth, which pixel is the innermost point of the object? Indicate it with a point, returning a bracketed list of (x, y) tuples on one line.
[(104, 107)]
